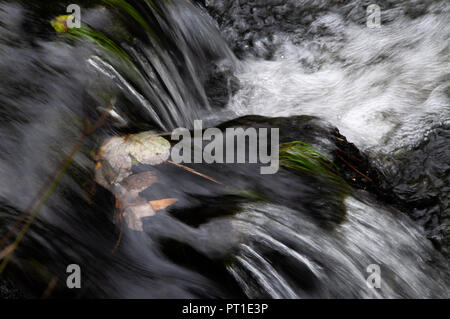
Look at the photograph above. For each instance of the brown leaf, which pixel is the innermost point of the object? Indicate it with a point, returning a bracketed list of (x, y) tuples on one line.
[(162, 203), (139, 181)]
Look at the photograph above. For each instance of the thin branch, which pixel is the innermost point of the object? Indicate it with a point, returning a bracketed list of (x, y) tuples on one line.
[(195, 172)]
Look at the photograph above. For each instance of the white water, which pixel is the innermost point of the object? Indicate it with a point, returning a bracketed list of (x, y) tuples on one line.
[(338, 261), (383, 88)]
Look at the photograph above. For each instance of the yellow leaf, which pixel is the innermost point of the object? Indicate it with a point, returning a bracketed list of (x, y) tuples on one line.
[(60, 23)]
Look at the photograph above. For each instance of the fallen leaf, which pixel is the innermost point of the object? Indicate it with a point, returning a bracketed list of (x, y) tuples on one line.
[(139, 182), (146, 148), (100, 152), (162, 203), (60, 23), (133, 215)]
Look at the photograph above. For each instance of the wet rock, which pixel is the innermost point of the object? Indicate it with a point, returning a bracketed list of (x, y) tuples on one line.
[(220, 85), (420, 178), (8, 290)]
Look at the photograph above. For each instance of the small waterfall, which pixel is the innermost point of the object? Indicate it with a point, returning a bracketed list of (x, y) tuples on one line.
[(160, 74), (330, 265)]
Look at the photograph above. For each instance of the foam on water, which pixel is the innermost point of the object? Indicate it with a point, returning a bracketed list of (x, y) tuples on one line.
[(381, 87)]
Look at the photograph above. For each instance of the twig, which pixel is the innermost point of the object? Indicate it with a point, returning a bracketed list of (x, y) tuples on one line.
[(352, 167), (120, 236), (195, 172), (51, 286)]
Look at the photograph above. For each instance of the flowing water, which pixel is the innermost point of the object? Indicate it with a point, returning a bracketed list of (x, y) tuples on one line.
[(386, 90)]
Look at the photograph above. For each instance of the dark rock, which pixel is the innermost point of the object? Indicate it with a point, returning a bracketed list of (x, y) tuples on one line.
[(244, 23), (420, 179), (8, 290)]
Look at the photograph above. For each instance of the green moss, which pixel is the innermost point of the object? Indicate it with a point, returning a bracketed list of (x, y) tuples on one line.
[(300, 155), (122, 6), (60, 25), (101, 40), (250, 195)]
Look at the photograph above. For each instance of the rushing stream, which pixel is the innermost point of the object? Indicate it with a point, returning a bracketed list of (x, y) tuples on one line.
[(311, 68)]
